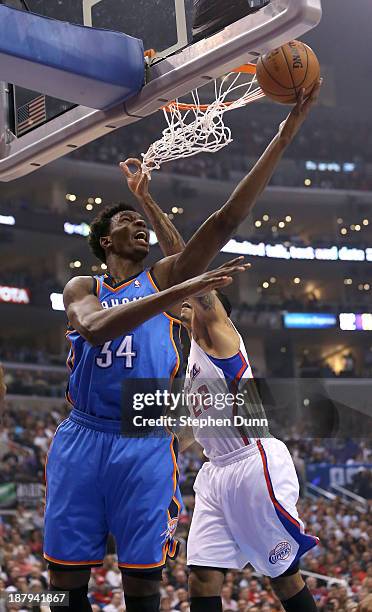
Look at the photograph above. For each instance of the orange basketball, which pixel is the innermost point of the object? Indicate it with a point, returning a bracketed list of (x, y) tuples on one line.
[(282, 73)]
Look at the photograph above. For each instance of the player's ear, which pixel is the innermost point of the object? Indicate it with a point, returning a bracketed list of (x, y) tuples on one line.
[(105, 242)]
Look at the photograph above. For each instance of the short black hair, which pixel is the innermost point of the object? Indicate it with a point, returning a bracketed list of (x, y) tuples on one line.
[(225, 302), (100, 227)]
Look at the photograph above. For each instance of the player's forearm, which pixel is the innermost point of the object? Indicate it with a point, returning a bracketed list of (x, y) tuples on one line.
[(245, 196), (223, 224), (170, 240), (101, 326)]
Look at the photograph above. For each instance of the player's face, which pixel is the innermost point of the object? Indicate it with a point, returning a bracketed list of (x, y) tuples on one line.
[(186, 315), (130, 235)]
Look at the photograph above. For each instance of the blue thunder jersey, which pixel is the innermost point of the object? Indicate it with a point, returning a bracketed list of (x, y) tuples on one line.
[(151, 351)]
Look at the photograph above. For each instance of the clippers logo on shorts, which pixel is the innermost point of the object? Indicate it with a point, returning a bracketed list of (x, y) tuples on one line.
[(281, 552), (137, 283)]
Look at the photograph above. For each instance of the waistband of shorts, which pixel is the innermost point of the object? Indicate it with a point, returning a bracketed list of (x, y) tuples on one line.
[(237, 455), (93, 422)]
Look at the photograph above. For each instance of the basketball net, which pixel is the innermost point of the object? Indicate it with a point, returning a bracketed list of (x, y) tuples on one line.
[(199, 128)]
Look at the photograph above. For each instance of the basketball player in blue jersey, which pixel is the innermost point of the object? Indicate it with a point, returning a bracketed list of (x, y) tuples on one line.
[(120, 328)]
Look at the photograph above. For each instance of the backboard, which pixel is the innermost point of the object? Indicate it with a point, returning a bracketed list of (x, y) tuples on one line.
[(165, 26), (180, 66)]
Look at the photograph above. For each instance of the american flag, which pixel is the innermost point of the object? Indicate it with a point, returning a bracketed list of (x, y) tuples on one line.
[(30, 115)]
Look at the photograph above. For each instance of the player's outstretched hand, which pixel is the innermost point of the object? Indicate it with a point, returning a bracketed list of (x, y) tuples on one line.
[(138, 182), (289, 128), (215, 279)]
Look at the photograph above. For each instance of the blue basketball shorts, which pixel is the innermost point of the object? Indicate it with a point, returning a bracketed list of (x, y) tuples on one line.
[(99, 482)]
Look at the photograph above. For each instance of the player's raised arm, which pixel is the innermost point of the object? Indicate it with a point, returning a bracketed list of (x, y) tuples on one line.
[(98, 325), (223, 224), (170, 240)]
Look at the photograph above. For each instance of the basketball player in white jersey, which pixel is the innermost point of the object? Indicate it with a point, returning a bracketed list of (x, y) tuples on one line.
[(246, 494)]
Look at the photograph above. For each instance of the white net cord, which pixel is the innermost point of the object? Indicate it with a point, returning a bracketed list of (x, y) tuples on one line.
[(198, 128)]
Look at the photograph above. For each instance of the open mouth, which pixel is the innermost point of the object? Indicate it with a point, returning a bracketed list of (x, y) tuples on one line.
[(186, 305), (141, 237)]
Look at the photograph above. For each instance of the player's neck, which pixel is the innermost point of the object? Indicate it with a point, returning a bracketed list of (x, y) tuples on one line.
[(120, 269)]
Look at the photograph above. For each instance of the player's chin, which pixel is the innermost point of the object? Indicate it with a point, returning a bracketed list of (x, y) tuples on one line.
[(186, 317), (140, 251)]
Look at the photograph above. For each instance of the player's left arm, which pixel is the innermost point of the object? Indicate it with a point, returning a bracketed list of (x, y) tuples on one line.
[(170, 240)]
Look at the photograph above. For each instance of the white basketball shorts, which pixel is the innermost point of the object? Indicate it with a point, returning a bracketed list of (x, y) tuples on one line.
[(245, 512)]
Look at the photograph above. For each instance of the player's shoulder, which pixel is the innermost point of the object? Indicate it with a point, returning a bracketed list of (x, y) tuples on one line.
[(77, 286)]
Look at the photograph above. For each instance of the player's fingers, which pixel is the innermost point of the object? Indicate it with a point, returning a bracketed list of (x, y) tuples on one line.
[(300, 100), (126, 170), (232, 262), (223, 282), (133, 161), (237, 269)]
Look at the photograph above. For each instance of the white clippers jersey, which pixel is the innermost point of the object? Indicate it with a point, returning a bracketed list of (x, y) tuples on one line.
[(210, 385)]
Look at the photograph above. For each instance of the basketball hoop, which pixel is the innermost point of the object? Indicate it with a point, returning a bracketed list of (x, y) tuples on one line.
[(199, 128)]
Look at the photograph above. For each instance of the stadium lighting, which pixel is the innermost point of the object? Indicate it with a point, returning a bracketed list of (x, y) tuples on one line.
[(81, 230), (175, 210), (265, 285), (56, 300), (357, 228), (307, 182), (288, 218), (153, 239), (343, 231), (103, 266), (365, 222), (258, 223), (266, 218), (7, 220), (89, 207), (297, 280), (98, 200), (281, 224)]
